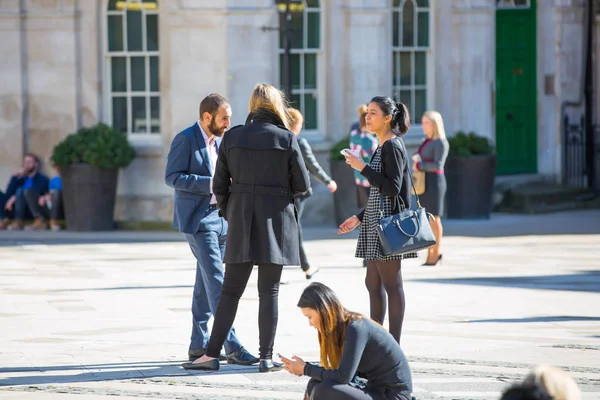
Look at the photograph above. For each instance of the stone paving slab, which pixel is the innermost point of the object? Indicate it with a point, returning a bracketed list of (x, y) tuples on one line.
[(95, 315)]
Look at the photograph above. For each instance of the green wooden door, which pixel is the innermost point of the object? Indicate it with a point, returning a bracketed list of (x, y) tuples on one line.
[(516, 91)]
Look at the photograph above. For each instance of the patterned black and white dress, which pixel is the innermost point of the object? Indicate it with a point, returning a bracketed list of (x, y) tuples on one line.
[(369, 246)]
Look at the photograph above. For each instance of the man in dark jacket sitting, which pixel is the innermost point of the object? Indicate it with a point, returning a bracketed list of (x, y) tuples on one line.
[(13, 203)]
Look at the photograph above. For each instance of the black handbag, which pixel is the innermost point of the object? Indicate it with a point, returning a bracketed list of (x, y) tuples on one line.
[(406, 232)]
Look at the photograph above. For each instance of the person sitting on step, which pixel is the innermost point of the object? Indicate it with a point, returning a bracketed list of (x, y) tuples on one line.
[(47, 206), (27, 181)]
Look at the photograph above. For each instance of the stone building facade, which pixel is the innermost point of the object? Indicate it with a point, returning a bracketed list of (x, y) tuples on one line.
[(144, 66)]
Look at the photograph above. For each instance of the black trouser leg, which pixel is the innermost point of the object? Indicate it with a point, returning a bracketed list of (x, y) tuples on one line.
[(234, 283), (22, 212), (57, 211), (269, 276), (303, 259), (31, 198), (3, 199), (329, 390)]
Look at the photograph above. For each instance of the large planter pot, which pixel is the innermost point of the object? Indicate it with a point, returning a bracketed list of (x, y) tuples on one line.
[(344, 197), (89, 195), (470, 185)]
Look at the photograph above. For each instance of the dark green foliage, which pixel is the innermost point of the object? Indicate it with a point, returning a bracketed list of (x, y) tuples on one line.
[(99, 146), (339, 146), (465, 145)]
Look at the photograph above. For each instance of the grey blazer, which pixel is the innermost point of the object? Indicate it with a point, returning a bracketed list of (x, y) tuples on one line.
[(433, 155), (189, 172), (312, 165)]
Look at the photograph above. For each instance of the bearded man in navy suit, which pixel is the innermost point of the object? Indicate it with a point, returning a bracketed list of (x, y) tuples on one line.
[(190, 169)]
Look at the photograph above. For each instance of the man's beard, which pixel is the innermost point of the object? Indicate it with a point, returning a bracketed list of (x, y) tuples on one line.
[(30, 170), (215, 130)]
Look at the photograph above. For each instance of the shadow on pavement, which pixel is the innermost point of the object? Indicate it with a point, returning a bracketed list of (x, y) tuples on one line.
[(584, 281), (110, 371), (557, 318)]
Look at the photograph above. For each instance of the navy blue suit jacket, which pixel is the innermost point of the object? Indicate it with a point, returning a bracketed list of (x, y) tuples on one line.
[(189, 171), (40, 184)]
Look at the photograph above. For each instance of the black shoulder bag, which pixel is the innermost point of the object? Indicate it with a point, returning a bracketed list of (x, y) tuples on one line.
[(406, 232)]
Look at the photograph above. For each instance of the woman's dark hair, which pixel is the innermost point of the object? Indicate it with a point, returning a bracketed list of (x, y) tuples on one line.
[(400, 116), (334, 320), (525, 392)]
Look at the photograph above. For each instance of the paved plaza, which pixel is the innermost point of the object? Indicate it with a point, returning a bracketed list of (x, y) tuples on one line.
[(93, 315)]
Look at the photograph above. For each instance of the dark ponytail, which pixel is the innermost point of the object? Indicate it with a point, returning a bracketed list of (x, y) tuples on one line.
[(401, 119), (400, 116)]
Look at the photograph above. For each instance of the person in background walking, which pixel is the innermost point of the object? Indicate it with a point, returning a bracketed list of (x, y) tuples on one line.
[(315, 169), (259, 171), (47, 206), (364, 143), (430, 158), (389, 176), (12, 202), (351, 345)]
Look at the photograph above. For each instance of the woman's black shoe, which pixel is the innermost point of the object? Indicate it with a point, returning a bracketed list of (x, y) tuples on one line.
[(269, 366), (313, 273), (439, 260), (211, 365)]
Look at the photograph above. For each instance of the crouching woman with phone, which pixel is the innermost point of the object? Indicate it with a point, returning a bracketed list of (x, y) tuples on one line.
[(360, 360)]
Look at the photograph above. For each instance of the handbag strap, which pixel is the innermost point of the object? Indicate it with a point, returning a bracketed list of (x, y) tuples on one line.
[(412, 184)]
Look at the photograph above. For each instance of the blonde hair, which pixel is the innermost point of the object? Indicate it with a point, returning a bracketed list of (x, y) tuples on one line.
[(269, 98), (556, 382), (438, 131), (295, 117), (362, 113)]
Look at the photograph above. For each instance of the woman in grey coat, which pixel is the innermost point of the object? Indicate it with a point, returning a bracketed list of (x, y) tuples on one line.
[(260, 169), (430, 158), (315, 169)]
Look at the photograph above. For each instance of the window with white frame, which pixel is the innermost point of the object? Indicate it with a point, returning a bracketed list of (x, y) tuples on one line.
[(513, 4), (132, 67), (305, 47), (410, 27)]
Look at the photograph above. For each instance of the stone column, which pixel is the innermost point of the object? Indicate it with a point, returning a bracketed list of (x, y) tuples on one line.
[(569, 19), (52, 74), (252, 53), (368, 54), (11, 106), (474, 66)]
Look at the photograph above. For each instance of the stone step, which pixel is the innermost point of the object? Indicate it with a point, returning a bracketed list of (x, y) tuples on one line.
[(539, 197)]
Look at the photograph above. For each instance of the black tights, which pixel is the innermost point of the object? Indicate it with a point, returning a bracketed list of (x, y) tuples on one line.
[(385, 277), (234, 284)]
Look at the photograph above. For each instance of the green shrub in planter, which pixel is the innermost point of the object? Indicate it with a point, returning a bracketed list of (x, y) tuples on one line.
[(89, 162), (465, 145), (334, 152), (99, 146), (470, 172)]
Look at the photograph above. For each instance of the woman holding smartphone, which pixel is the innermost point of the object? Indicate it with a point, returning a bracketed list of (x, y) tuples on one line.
[(351, 346)]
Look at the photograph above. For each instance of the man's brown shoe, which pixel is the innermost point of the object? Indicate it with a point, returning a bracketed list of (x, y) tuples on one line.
[(39, 224), (16, 225), (4, 223), (54, 225)]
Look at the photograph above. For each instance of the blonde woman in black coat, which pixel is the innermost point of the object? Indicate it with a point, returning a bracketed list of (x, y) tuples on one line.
[(260, 169)]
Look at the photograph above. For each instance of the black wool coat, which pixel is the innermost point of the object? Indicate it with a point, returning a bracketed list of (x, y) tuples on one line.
[(259, 170)]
